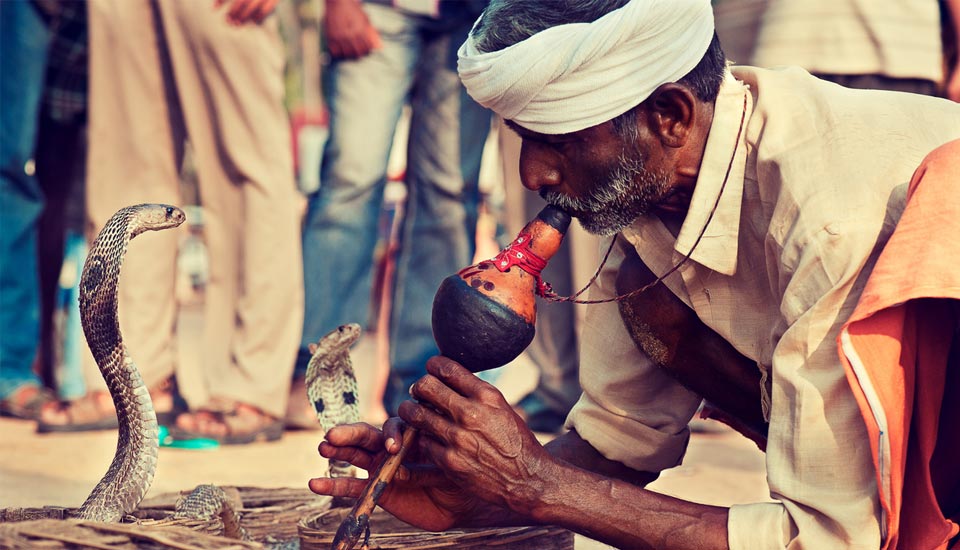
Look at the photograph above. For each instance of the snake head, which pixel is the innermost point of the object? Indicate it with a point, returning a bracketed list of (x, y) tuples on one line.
[(337, 340), (154, 217)]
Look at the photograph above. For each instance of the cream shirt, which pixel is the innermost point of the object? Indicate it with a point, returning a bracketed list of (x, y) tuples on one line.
[(817, 183)]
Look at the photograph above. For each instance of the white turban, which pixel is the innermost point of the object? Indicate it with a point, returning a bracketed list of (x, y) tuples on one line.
[(570, 77)]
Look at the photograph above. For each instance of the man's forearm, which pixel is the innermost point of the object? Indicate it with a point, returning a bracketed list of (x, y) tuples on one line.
[(571, 448), (604, 500)]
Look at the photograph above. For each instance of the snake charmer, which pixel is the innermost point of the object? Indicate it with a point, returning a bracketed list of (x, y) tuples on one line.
[(806, 237)]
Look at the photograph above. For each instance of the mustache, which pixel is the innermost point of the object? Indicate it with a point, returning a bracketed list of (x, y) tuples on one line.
[(609, 188), (564, 202), (624, 190)]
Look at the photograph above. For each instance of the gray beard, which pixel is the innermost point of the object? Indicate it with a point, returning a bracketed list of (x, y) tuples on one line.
[(629, 191)]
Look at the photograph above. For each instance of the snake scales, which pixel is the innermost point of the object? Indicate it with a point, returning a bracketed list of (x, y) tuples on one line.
[(332, 385), (131, 472)]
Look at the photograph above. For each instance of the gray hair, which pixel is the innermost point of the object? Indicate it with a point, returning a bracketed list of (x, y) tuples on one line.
[(506, 22)]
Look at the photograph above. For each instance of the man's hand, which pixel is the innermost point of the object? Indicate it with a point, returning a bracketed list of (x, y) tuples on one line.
[(469, 431), (419, 494), (348, 32), (480, 465), (247, 11)]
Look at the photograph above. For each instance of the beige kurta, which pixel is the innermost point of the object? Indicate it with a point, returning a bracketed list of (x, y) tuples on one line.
[(817, 182)]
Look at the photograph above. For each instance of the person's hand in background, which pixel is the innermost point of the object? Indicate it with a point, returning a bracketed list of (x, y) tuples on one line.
[(241, 12), (348, 32)]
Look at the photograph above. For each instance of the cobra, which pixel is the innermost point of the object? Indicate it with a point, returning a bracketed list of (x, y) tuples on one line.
[(131, 472), (332, 384)]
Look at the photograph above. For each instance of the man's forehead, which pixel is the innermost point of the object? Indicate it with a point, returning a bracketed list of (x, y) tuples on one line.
[(528, 133), (599, 131)]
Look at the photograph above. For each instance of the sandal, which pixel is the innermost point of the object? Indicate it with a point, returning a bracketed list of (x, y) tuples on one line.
[(92, 412), (95, 411), (235, 424), (26, 402)]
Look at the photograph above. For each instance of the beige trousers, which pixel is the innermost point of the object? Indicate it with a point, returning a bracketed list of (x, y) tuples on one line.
[(163, 72)]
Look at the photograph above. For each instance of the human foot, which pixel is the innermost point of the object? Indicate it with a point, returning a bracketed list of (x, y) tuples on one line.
[(26, 402), (236, 424), (94, 411)]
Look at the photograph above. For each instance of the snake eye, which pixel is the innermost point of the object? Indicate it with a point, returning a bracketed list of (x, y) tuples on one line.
[(169, 211)]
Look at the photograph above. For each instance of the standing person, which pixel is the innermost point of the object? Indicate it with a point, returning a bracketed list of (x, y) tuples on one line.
[(24, 39), (209, 72), (883, 44), (802, 230), (386, 55), (59, 165)]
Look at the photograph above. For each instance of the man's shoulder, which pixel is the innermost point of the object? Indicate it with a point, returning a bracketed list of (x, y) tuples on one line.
[(827, 153), (800, 116), (789, 88)]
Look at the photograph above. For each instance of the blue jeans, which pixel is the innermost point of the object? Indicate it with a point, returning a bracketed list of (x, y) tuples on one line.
[(23, 49), (70, 380), (447, 131)]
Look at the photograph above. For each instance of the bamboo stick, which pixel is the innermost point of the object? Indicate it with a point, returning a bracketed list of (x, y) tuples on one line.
[(358, 521)]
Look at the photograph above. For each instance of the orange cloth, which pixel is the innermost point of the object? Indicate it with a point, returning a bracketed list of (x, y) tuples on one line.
[(895, 350)]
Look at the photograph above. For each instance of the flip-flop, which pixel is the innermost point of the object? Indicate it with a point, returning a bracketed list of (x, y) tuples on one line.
[(167, 440), (271, 430)]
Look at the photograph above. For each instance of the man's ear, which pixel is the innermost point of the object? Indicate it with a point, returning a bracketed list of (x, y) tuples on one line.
[(671, 110)]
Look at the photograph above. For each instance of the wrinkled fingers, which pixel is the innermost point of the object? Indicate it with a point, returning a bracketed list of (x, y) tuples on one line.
[(360, 435), (431, 390), (428, 421), (361, 458), (337, 486), (393, 430), (463, 382)]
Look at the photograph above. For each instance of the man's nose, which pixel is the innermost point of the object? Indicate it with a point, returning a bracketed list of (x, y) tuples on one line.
[(536, 169)]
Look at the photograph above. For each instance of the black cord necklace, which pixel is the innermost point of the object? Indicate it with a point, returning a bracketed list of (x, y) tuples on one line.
[(551, 296)]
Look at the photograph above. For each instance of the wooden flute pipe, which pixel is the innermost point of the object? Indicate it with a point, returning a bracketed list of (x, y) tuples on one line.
[(483, 318), (357, 523)]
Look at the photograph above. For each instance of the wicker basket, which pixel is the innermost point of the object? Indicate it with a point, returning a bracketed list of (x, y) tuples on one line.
[(27, 514), (386, 532), (54, 534), (269, 515)]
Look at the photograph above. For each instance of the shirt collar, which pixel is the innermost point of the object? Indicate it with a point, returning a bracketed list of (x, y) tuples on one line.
[(717, 249)]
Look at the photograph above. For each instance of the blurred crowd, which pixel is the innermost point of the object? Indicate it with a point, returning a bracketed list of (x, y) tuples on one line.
[(333, 170)]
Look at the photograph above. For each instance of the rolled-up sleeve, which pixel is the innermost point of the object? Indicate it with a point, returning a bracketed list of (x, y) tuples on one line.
[(630, 410), (758, 525)]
